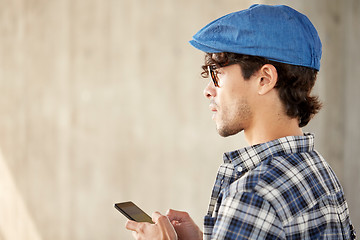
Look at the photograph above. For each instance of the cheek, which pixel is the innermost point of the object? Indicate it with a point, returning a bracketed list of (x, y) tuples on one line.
[(229, 97)]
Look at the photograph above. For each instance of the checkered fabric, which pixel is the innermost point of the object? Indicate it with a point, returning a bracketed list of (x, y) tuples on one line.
[(282, 189)]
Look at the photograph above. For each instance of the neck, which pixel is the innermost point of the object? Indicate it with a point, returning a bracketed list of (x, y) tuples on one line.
[(271, 129)]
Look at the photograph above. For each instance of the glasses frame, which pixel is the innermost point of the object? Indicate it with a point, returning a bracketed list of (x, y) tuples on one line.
[(213, 75)]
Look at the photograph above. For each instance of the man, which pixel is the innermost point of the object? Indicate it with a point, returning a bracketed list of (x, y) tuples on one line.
[(263, 63)]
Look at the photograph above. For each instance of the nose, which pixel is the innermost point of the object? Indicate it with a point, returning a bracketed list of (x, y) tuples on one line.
[(210, 90)]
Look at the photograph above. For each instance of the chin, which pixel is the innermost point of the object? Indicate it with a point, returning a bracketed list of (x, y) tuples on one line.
[(226, 132)]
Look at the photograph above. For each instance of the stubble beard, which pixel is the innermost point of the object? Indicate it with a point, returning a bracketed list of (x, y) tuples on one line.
[(234, 121)]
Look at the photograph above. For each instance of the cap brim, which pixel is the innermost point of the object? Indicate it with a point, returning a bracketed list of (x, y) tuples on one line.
[(203, 47)]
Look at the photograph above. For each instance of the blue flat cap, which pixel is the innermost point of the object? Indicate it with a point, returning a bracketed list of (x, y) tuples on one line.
[(278, 33)]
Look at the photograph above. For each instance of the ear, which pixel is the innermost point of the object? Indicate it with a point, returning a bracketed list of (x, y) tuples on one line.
[(268, 77)]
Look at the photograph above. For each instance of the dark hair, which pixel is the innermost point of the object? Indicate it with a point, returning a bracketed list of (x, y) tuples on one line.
[(294, 82)]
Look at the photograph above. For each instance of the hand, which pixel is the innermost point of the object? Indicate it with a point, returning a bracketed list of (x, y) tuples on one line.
[(185, 227), (161, 230)]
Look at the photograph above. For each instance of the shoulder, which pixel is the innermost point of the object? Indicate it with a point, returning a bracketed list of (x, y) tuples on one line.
[(289, 183), (270, 173)]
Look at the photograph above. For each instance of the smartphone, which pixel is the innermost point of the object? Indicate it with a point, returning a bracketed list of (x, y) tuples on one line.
[(133, 212)]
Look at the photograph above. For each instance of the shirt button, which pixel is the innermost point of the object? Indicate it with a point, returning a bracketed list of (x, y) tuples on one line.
[(240, 169), (222, 181)]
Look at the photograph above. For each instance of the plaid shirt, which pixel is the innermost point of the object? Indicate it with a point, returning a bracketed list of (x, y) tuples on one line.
[(282, 189)]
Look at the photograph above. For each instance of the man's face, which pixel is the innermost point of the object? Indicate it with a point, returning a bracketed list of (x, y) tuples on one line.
[(231, 102)]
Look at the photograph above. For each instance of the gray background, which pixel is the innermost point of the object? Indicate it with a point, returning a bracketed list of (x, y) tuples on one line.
[(101, 101)]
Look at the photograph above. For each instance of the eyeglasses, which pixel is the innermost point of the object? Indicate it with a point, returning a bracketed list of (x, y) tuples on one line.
[(212, 73)]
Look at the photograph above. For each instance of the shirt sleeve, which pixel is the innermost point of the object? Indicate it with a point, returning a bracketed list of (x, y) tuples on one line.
[(247, 216)]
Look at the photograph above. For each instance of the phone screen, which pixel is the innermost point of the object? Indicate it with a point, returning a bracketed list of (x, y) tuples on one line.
[(133, 212)]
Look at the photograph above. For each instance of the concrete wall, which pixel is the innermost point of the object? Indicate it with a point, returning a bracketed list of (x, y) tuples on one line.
[(101, 101)]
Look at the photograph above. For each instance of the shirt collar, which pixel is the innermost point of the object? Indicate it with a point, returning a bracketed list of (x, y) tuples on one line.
[(248, 158)]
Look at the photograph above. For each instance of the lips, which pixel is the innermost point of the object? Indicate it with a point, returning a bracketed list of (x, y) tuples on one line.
[(213, 106), (213, 109)]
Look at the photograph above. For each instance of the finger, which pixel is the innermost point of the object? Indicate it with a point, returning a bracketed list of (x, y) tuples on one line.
[(166, 228), (175, 222), (178, 216), (132, 225), (162, 221), (155, 216)]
